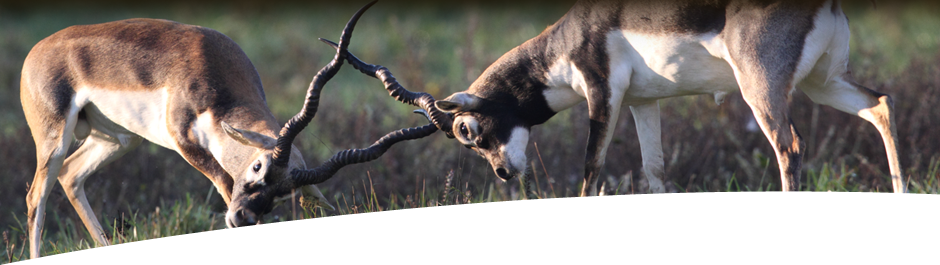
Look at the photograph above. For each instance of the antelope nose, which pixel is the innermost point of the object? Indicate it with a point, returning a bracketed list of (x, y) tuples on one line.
[(243, 217), (503, 173)]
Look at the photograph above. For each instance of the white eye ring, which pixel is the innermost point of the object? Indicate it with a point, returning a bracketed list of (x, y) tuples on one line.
[(467, 131), (465, 136)]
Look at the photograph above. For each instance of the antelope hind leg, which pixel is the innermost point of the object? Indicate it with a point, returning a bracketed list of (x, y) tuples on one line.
[(876, 108), (97, 150)]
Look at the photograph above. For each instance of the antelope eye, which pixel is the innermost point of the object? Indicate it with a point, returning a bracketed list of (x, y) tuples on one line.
[(463, 130), (256, 167)]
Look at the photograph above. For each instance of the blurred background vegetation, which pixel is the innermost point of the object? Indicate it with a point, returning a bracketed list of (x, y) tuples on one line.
[(440, 48)]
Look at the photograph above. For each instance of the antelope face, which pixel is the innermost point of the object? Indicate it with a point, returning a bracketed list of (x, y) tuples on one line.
[(496, 132), (255, 188), (252, 196)]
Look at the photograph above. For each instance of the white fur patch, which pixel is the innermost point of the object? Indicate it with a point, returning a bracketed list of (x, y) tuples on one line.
[(566, 85), (655, 66), (204, 130), (621, 64), (514, 150), (251, 177), (830, 36), (714, 45), (140, 112), (559, 98)]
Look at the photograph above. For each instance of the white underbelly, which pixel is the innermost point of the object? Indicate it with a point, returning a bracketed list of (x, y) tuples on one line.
[(123, 113), (663, 66)]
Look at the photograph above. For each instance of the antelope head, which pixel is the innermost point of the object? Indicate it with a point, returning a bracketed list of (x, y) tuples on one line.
[(278, 169), (497, 132), (494, 126)]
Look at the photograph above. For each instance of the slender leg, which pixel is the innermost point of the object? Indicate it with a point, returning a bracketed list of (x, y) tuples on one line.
[(49, 161), (876, 108), (97, 151), (648, 129), (767, 98), (603, 114), (52, 139), (764, 55)]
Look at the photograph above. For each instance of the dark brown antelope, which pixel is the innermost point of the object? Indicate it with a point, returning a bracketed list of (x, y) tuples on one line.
[(187, 88), (614, 53)]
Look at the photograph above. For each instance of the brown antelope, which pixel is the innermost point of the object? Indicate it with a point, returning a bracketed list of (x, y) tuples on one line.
[(187, 88), (614, 53), (253, 199)]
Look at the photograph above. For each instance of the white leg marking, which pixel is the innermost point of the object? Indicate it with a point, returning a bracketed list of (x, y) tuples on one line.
[(852, 99), (648, 129), (53, 167), (98, 150)]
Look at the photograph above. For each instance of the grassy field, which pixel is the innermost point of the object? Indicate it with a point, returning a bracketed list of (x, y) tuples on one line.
[(441, 48)]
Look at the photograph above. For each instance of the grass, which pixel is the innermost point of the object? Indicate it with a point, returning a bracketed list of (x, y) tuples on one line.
[(189, 232), (152, 192)]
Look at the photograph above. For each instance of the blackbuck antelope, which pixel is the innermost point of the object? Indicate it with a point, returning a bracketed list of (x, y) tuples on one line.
[(187, 88), (613, 53)]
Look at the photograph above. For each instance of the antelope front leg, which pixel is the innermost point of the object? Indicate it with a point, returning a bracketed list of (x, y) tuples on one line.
[(648, 129), (604, 109)]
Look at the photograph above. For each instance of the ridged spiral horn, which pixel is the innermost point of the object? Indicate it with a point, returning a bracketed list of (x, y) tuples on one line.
[(319, 174), (325, 171), (423, 100), (296, 124)]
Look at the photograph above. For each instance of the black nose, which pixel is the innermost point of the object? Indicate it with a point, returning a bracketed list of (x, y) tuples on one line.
[(503, 173), (243, 217)]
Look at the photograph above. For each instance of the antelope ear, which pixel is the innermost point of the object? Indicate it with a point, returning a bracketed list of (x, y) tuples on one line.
[(249, 138), (458, 102)]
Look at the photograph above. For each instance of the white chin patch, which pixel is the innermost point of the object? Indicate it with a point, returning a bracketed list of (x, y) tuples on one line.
[(514, 151)]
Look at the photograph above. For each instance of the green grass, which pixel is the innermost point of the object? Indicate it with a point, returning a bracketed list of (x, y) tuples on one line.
[(189, 232), (844, 178)]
